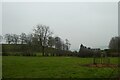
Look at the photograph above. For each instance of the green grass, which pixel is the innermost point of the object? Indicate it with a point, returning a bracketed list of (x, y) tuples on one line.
[(53, 67)]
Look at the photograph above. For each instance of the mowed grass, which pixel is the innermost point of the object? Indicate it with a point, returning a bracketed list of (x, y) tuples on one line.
[(54, 67)]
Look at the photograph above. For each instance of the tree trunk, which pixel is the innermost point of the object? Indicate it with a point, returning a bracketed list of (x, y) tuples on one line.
[(43, 48)]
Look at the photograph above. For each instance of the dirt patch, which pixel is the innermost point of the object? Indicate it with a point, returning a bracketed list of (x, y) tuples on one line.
[(101, 65)]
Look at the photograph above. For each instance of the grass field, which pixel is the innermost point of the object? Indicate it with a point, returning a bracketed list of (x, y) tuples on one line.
[(53, 67)]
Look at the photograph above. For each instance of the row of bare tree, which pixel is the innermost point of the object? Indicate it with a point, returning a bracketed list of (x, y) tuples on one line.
[(41, 36)]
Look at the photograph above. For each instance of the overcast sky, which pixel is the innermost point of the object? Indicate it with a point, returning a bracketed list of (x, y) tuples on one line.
[(90, 23)]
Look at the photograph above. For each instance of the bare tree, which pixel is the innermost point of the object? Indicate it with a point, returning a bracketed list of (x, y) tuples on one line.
[(23, 37), (51, 41), (15, 38), (58, 43), (29, 47), (29, 38), (8, 38), (63, 46), (67, 44), (42, 32), (35, 40)]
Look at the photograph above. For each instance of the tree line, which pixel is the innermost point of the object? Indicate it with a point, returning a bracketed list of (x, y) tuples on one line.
[(115, 43), (42, 40), (114, 46), (41, 37)]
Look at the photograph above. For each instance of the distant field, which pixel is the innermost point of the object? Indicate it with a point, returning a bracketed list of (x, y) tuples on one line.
[(53, 67)]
